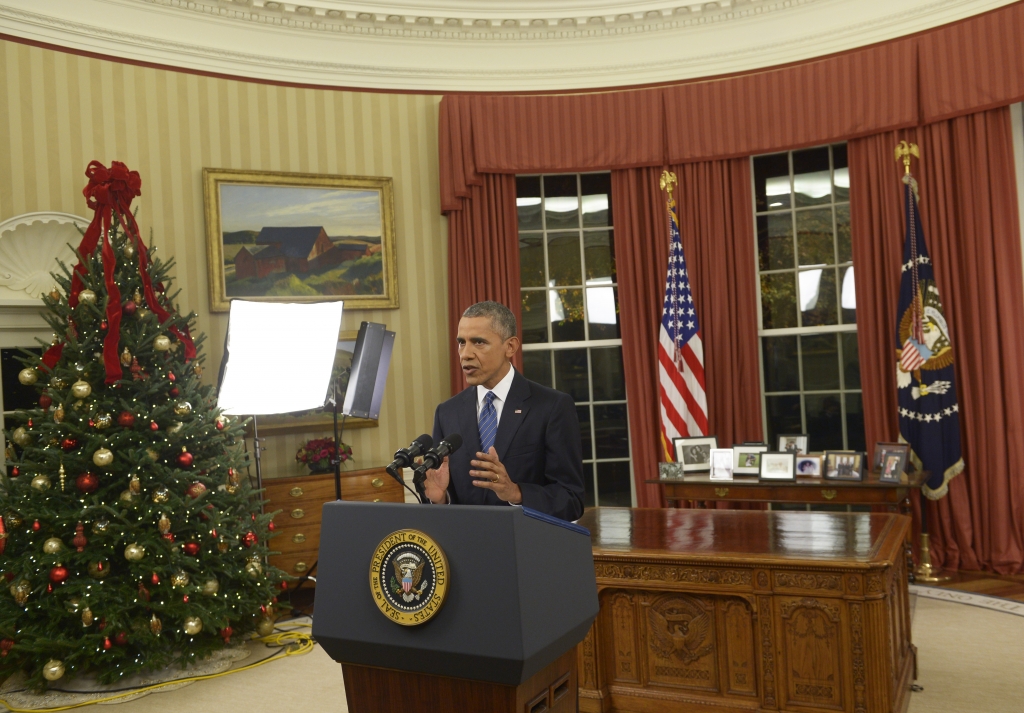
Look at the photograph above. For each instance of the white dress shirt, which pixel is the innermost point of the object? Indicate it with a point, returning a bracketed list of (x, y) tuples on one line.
[(500, 394)]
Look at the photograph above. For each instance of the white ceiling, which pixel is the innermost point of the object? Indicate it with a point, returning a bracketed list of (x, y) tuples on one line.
[(474, 45)]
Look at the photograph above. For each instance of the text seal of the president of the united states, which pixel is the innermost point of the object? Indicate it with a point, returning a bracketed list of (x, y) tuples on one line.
[(408, 577)]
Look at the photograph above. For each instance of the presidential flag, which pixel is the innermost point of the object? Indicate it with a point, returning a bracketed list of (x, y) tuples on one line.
[(929, 412), (684, 406)]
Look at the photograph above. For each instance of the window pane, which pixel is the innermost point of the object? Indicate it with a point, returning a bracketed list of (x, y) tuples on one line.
[(855, 423), (778, 300), (783, 413), (561, 202), (842, 172), (848, 296), (564, 259), (771, 182), (814, 237), (566, 315), (528, 202), (818, 297), (531, 259), (775, 241), (588, 485), (597, 192), (603, 312), (583, 413), (610, 431), (613, 484), (851, 361), (820, 353), (535, 316), (844, 247), (824, 422), (780, 367), (608, 377), (571, 373), (812, 183), (537, 367), (599, 254)]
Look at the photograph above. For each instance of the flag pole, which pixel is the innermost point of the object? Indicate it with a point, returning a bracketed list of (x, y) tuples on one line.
[(925, 572)]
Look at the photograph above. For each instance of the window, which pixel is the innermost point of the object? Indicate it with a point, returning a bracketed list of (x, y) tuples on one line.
[(810, 370), (570, 323)]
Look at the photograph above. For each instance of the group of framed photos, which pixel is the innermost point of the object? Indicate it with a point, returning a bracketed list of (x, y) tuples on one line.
[(790, 460)]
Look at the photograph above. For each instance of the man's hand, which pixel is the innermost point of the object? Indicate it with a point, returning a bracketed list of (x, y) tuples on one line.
[(493, 476), (437, 483)]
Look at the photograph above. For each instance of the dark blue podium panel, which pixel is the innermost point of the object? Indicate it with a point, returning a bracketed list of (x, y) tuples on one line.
[(521, 591)]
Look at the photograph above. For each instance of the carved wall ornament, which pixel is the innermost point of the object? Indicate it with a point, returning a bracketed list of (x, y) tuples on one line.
[(808, 580), (679, 628), (762, 579), (28, 245)]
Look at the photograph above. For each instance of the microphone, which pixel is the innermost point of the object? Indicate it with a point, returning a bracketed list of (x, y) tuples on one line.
[(405, 456), (435, 456)]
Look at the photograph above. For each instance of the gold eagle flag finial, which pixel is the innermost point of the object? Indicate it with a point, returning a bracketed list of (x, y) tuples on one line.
[(668, 181), (904, 151)]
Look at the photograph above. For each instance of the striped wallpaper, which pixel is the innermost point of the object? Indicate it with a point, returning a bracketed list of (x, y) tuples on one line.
[(58, 111)]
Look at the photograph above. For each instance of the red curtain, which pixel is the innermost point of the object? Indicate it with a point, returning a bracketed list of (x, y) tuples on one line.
[(716, 228), (483, 256), (970, 217)]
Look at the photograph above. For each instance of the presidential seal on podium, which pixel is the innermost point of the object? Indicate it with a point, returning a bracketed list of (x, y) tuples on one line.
[(408, 577)]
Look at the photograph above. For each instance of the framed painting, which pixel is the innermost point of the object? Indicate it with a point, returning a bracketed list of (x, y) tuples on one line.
[(300, 237), (320, 419)]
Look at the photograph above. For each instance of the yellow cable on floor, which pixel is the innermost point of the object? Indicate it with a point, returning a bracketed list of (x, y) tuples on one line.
[(295, 644)]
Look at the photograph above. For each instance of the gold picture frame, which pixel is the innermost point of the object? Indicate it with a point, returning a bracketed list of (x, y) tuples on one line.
[(300, 237), (318, 419)]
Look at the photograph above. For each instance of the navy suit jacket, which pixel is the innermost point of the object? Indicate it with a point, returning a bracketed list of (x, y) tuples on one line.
[(538, 442)]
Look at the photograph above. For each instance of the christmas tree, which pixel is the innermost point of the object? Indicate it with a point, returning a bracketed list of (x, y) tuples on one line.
[(131, 542)]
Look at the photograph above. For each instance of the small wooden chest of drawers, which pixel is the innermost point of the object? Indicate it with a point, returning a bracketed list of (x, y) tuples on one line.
[(300, 500)]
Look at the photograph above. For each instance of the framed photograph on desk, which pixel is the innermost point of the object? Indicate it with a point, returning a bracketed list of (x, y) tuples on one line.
[(721, 464), (747, 459), (695, 453), (778, 466), (793, 442), (844, 465), (893, 464)]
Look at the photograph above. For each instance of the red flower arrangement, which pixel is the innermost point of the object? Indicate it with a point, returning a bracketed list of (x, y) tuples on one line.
[(317, 454)]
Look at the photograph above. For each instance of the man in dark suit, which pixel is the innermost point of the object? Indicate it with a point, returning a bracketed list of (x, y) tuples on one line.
[(521, 440)]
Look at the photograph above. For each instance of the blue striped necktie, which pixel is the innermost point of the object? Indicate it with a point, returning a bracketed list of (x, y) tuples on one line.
[(488, 423)]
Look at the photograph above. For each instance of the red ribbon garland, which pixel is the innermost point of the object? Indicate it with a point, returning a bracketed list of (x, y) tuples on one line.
[(109, 193)]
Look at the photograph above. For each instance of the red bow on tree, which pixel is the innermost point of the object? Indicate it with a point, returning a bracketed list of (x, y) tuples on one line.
[(110, 193)]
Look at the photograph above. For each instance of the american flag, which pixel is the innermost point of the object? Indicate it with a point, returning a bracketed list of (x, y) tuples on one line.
[(684, 406)]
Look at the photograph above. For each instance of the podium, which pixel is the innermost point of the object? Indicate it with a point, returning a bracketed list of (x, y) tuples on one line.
[(520, 594)]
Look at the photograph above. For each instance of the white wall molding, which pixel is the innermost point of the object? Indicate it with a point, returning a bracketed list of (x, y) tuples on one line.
[(421, 45), (29, 244)]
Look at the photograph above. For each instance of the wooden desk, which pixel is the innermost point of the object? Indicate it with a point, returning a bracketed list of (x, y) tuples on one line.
[(732, 610)]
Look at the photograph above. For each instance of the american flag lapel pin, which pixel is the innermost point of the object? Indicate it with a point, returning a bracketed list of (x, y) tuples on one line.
[(519, 410)]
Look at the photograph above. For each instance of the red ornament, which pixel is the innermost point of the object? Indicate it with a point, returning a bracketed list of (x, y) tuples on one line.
[(69, 444), (191, 548), (121, 639), (270, 526), (154, 426), (49, 588), (143, 592), (79, 540), (103, 621), (174, 391), (58, 574), (15, 472), (36, 526), (169, 536), (92, 424), (171, 376), (249, 539), (225, 634), (195, 490), (220, 425), (7, 644), (155, 579), (29, 424), (104, 325), (185, 460), (87, 483), (185, 598), (129, 307), (106, 643), (45, 401), (126, 419), (283, 584), (213, 533)]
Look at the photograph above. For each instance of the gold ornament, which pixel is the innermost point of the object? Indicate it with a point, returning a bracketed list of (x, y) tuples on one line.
[(193, 625), (127, 497), (134, 552), (222, 545), (21, 436), (254, 567), (72, 605), (102, 457), (155, 625), (58, 413), (129, 249), (54, 341), (161, 495), (54, 294), (175, 427), (180, 579), (40, 483), (211, 587), (12, 519), (77, 406), (53, 545), (100, 527), (162, 343), (265, 627), (53, 670), (81, 389), (222, 422), (87, 617), (100, 569), (87, 296), (152, 454), (102, 420), (61, 476), (20, 590), (134, 485), (141, 314), (197, 369), (137, 297), (28, 376), (126, 357), (58, 383), (163, 524), (174, 347), (183, 408)]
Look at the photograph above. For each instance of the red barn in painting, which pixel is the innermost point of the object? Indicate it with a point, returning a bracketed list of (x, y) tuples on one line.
[(282, 250)]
